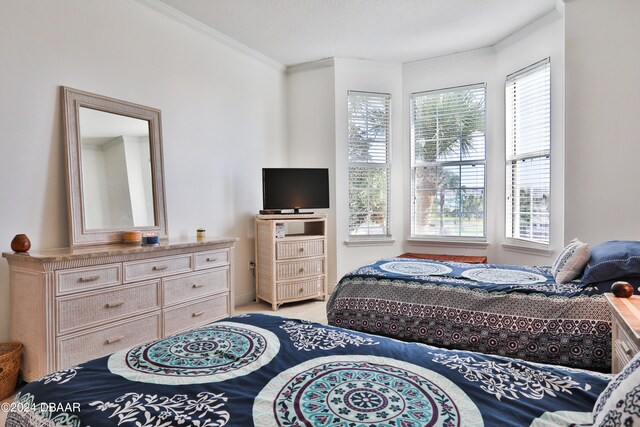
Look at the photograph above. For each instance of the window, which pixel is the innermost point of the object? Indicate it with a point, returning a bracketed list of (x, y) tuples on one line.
[(528, 146), (369, 163), (448, 162)]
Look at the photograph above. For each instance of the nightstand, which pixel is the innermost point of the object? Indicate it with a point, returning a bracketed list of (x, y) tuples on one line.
[(444, 257), (625, 316)]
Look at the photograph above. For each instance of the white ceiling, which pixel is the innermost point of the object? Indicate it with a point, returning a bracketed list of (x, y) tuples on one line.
[(298, 31)]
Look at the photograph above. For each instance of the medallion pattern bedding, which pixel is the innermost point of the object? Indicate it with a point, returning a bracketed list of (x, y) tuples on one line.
[(498, 309), (266, 370)]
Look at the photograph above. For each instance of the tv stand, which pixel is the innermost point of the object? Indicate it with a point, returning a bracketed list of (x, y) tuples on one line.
[(291, 257)]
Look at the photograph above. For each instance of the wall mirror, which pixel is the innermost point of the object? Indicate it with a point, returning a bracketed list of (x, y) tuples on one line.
[(114, 168)]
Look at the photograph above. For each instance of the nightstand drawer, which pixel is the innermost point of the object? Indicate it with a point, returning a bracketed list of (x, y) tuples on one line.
[(83, 279), (299, 249), (184, 288), (98, 307), (623, 347), (625, 330), (157, 267), (297, 269)]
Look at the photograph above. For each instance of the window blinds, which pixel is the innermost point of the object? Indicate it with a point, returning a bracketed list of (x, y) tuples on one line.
[(448, 162), (528, 140), (369, 161)]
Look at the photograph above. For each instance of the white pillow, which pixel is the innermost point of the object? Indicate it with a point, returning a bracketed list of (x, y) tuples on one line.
[(619, 403), (571, 261)]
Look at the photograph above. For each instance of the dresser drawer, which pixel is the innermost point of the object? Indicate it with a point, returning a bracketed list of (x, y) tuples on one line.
[(297, 269), (190, 286), (198, 313), (83, 279), (90, 309), (301, 288), (298, 249), (99, 342), (210, 259), (157, 267)]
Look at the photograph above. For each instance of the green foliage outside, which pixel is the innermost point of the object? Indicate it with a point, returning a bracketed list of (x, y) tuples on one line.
[(368, 171), (446, 129)]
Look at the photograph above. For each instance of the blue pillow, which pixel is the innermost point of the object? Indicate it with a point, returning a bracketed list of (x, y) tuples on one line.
[(614, 259)]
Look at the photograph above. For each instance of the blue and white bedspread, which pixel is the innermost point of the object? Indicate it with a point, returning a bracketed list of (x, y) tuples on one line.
[(499, 309), (270, 371)]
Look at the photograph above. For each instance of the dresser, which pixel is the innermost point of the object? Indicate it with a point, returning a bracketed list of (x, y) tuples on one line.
[(625, 315), (72, 305), (291, 258)]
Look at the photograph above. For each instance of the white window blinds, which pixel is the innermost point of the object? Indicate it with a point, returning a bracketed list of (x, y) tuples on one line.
[(369, 163), (528, 165), (448, 162)]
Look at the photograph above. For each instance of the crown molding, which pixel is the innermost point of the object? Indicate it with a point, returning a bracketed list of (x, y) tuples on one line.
[(313, 65), (194, 24)]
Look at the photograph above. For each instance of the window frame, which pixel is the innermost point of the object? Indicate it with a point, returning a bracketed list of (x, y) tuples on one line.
[(512, 157), (386, 234), (445, 239)]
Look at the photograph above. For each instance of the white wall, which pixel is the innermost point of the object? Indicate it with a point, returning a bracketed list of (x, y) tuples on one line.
[(367, 76), (311, 134), (542, 39), (317, 124), (223, 118), (602, 113), (477, 66)]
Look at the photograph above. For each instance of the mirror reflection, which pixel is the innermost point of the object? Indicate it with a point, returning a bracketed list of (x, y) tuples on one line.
[(117, 184)]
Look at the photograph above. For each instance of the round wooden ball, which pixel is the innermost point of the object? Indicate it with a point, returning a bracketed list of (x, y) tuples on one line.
[(20, 243), (622, 289)]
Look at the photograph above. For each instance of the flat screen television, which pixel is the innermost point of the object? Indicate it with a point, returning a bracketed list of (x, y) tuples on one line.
[(294, 189)]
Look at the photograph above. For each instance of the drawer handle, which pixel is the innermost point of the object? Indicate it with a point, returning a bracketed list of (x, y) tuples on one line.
[(160, 267), (212, 259), (114, 304), (197, 285), (625, 348), (301, 290), (89, 278), (301, 250), (114, 339), (197, 314), (301, 270)]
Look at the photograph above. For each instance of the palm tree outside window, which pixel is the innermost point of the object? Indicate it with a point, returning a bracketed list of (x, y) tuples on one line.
[(448, 163), (369, 159)]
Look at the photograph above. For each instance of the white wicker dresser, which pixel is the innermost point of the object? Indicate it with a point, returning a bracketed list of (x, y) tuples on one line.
[(73, 305), (291, 257)]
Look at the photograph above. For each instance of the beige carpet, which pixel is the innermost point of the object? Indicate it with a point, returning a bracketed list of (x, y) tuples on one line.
[(312, 310)]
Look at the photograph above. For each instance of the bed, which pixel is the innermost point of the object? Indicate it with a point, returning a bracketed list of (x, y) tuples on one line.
[(513, 311), (266, 370)]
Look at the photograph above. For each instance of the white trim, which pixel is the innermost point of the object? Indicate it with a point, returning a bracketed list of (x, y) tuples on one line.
[(448, 243), (313, 65), (446, 57), (527, 248), (530, 28), (370, 242), (193, 23)]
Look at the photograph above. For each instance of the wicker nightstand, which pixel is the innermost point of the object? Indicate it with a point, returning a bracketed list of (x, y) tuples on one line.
[(625, 314)]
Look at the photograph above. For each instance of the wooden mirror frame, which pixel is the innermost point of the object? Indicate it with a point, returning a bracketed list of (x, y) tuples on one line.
[(72, 100)]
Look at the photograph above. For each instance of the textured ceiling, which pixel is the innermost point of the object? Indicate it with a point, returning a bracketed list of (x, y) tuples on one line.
[(297, 31)]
